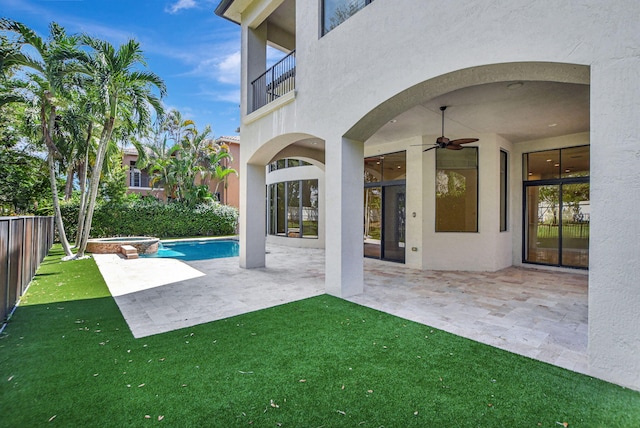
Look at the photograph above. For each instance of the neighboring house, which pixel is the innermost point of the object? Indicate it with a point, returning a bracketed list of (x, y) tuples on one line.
[(137, 179), (227, 193), (551, 91)]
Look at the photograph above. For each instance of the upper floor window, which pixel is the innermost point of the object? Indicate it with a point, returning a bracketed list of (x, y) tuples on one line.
[(137, 178), (335, 12)]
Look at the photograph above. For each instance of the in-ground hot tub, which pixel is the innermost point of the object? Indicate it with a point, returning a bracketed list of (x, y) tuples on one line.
[(144, 244)]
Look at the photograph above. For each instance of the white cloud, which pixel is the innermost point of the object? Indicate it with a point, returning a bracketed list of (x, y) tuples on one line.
[(229, 69), (216, 94), (224, 69), (229, 96), (181, 4)]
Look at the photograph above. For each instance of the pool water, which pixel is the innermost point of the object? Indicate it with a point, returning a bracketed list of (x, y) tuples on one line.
[(196, 250)]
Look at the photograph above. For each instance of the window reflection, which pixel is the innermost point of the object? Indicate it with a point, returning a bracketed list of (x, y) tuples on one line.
[(457, 190), (384, 206), (557, 207), (387, 167), (558, 163), (335, 12)]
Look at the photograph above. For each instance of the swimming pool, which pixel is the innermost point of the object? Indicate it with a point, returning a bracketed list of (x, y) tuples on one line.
[(196, 250)]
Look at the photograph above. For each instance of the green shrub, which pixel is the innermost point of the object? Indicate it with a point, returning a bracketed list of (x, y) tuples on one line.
[(148, 217)]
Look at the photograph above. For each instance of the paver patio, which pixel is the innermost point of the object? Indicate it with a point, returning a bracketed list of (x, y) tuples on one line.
[(536, 313)]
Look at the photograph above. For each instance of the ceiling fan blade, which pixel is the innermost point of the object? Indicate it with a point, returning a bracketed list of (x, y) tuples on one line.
[(463, 141), (431, 148), (452, 146)]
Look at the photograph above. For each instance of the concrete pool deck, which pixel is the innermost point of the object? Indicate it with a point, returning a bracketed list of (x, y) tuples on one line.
[(536, 313), (156, 295)]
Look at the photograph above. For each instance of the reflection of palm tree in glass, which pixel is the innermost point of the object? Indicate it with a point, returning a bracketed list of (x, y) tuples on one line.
[(293, 214), (450, 183), (342, 12), (373, 205)]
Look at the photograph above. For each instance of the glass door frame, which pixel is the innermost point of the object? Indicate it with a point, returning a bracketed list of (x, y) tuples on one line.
[(383, 185), (525, 238)]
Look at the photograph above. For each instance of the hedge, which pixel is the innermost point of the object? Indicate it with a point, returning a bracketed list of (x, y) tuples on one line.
[(154, 218)]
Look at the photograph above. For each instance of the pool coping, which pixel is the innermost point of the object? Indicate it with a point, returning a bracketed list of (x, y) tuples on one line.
[(203, 239)]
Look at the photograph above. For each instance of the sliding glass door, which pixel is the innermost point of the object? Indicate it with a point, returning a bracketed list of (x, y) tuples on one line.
[(557, 207)]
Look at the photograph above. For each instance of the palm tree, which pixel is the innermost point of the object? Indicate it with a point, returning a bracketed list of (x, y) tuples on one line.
[(158, 163), (177, 128), (83, 126), (186, 168), (50, 79), (217, 165), (122, 89)]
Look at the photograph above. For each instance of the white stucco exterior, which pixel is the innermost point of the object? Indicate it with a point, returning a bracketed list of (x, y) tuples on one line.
[(394, 55)]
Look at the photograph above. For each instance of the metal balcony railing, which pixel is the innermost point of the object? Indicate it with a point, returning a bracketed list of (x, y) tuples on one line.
[(275, 82)]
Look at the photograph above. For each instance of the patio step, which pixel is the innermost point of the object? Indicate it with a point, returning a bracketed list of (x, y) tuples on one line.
[(129, 251)]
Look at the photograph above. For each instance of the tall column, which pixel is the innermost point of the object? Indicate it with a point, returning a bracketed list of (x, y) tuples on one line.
[(614, 252), (252, 216), (344, 180)]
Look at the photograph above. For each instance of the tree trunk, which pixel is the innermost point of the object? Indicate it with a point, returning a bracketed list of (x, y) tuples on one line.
[(95, 182), (83, 184), (56, 204), (68, 188), (47, 126)]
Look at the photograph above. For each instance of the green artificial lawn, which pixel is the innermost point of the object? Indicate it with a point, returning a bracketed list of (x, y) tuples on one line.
[(67, 358)]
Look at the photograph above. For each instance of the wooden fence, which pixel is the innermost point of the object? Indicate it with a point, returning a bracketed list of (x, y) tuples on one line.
[(24, 242)]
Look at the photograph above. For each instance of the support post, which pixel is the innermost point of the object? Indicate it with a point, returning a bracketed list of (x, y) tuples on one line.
[(344, 275), (252, 216)]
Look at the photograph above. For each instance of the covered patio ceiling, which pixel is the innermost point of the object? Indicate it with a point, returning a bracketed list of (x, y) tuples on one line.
[(518, 111)]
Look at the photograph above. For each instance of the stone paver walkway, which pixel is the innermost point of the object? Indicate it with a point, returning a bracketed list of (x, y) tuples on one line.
[(536, 313), (531, 312)]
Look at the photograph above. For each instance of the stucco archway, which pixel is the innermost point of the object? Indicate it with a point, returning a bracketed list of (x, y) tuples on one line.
[(288, 145), (253, 189), (438, 86)]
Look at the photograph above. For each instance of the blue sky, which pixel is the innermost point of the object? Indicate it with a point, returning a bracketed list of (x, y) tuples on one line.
[(193, 50)]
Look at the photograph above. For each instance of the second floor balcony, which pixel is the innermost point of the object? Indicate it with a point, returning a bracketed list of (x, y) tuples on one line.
[(274, 83)]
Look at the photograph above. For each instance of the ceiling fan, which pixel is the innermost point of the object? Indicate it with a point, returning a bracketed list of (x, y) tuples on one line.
[(444, 143)]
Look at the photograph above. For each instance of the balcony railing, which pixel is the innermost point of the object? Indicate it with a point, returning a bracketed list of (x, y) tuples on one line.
[(275, 82)]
